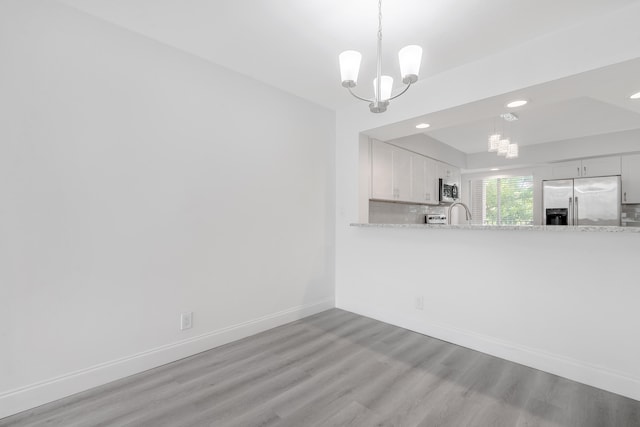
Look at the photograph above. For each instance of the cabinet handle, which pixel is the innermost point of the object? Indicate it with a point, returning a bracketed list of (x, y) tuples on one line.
[(625, 196), (578, 170), (585, 171)]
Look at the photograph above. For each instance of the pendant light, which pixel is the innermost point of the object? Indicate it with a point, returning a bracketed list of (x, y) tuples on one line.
[(410, 58), (500, 144)]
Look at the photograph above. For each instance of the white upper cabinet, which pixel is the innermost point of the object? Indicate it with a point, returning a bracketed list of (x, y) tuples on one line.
[(448, 172), (424, 188), (603, 166), (631, 179), (432, 184), (382, 171), (566, 169), (390, 172), (401, 175), (418, 178)]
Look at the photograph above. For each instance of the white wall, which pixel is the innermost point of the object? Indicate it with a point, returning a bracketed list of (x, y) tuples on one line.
[(571, 311), (138, 182)]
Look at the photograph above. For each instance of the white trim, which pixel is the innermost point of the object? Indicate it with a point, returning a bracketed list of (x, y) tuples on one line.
[(23, 398), (573, 369)]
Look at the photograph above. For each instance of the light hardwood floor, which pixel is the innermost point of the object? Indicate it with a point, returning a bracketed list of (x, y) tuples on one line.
[(339, 369)]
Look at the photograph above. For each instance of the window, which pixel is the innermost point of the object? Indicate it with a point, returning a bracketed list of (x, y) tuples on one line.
[(502, 201)]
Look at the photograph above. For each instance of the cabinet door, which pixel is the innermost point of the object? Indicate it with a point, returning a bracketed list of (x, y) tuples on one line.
[(431, 181), (571, 169), (402, 175), (631, 179), (447, 172), (381, 171), (603, 166), (443, 170), (418, 178)]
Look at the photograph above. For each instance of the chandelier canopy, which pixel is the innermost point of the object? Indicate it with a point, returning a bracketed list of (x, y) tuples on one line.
[(410, 58)]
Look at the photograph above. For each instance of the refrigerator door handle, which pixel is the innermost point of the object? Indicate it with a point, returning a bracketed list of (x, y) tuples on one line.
[(577, 214), (570, 219)]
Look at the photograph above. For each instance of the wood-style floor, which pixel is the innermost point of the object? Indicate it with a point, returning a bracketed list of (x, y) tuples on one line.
[(339, 369)]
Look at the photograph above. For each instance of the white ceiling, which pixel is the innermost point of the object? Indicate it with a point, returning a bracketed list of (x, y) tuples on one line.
[(591, 103), (294, 44), (568, 119)]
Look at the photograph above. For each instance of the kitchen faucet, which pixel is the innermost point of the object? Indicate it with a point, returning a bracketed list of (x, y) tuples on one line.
[(467, 211)]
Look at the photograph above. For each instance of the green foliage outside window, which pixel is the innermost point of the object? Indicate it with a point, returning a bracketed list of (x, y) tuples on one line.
[(508, 201)]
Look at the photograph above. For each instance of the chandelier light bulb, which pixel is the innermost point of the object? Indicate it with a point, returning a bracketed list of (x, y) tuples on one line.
[(512, 151), (503, 147), (350, 67), (494, 141), (386, 84), (410, 58)]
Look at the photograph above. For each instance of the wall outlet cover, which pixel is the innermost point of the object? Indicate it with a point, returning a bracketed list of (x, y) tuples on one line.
[(186, 321)]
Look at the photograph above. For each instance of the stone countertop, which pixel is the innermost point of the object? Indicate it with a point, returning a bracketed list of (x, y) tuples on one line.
[(552, 228)]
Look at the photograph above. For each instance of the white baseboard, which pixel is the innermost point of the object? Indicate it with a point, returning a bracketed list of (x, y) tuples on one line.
[(33, 395), (576, 370)]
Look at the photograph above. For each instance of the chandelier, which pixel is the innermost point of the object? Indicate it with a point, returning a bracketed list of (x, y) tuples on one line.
[(502, 145), (409, 56)]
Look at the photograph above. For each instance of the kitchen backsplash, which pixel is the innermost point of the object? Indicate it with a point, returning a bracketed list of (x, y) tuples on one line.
[(631, 215), (404, 213), (400, 213)]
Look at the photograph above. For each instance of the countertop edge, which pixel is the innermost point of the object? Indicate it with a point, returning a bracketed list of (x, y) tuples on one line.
[(553, 229)]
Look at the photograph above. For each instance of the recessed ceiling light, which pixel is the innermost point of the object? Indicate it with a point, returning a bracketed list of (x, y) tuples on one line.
[(635, 96), (423, 125), (517, 103), (495, 169)]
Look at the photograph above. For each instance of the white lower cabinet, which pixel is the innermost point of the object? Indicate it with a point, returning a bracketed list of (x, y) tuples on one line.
[(631, 179)]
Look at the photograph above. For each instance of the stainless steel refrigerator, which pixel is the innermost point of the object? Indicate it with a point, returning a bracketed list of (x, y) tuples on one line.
[(582, 201)]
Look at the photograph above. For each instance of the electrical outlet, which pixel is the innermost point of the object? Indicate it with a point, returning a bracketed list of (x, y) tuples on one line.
[(420, 303), (186, 321)]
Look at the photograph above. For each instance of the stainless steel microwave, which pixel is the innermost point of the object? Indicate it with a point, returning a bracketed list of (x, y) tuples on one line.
[(448, 191)]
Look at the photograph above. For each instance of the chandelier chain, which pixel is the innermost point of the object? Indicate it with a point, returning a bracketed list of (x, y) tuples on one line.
[(379, 19)]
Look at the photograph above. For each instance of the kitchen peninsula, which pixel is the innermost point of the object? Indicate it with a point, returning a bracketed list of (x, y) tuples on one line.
[(541, 228)]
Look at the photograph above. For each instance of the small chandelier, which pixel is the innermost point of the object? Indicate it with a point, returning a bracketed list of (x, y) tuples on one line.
[(409, 56), (503, 146)]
